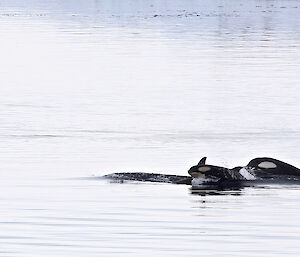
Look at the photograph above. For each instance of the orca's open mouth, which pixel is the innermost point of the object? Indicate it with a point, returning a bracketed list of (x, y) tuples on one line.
[(204, 180)]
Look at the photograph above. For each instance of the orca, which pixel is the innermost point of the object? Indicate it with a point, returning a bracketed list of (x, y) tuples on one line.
[(268, 167), (203, 173), (262, 170), (258, 170)]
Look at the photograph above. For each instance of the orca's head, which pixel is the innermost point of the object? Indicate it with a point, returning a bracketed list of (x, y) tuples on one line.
[(273, 166), (208, 173), (263, 163)]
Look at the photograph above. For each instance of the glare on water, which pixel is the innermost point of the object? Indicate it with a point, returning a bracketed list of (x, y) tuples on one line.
[(93, 87)]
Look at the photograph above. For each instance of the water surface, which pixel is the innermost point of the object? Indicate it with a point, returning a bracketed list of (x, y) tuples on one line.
[(93, 87)]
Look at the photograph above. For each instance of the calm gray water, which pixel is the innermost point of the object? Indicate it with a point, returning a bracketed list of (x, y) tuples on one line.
[(93, 87)]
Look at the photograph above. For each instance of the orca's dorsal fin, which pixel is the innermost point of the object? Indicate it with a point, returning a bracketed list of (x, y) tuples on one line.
[(202, 161)]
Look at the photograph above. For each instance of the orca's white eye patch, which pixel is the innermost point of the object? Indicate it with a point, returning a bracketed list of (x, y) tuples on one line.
[(267, 165), (204, 169)]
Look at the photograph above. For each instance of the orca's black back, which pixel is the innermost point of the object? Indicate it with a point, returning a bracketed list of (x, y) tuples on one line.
[(150, 177)]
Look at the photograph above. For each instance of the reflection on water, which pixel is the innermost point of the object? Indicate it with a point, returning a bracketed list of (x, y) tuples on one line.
[(94, 87), (216, 191)]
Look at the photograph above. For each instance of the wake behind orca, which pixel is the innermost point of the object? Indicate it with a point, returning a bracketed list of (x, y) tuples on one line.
[(262, 170)]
